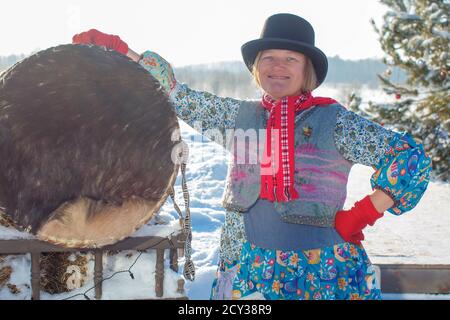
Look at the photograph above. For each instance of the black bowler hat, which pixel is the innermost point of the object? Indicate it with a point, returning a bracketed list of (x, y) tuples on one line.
[(288, 32)]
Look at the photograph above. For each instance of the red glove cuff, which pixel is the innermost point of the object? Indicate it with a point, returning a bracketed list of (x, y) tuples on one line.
[(367, 211), (350, 223), (115, 43)]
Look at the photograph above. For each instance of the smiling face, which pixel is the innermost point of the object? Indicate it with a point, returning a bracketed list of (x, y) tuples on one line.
[(281, 73)]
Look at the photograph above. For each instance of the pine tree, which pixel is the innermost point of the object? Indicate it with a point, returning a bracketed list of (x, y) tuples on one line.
[(415, 38)]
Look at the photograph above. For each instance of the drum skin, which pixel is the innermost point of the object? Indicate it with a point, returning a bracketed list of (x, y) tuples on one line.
[(86, 141)]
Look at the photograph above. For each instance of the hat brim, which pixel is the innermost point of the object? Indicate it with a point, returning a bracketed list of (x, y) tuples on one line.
[(318, 58)]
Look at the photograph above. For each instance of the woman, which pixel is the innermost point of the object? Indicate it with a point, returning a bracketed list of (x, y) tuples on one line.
[(285, 234)]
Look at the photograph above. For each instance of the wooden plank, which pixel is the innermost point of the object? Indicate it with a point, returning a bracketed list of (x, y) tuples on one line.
[(98, 273), (173, 258), (22, 246), (159, 273), (142, 243), (415, 278), (35, 276)]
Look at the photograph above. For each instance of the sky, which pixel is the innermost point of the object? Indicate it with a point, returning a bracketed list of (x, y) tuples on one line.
[(188, 32)]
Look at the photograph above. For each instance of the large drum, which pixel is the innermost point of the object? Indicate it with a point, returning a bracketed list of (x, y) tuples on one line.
[(86, 141)]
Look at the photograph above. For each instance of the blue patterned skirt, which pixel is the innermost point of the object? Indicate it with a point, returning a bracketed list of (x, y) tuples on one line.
[(342, 271)]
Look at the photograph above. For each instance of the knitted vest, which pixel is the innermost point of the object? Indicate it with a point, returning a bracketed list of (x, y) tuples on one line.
[(321, 173)]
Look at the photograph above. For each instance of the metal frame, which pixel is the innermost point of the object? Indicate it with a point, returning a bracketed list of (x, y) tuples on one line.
[(160, 244)]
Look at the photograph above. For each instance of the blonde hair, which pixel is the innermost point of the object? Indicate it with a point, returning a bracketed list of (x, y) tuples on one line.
[(310, 77)]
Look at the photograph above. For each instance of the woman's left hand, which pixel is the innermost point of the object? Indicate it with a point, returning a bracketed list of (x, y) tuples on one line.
[(350, 223)]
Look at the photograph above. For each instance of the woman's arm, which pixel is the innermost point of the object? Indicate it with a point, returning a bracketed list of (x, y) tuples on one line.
[(401, 177), (402, 167), (209, 114), (381, 201), (133, 55), (205, 112)]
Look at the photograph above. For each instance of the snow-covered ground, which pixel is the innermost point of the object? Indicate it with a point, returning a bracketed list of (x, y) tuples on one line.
[(420, 236)]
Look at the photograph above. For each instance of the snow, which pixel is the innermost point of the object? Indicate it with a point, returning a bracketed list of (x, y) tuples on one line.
[(404, 15), (441, 33), (419, 236), (9, 233)]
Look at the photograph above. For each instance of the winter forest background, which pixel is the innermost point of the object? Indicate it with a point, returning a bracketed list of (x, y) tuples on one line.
[(222, 78)]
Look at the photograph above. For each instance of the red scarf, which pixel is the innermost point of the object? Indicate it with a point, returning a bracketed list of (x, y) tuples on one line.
[(278, 185)]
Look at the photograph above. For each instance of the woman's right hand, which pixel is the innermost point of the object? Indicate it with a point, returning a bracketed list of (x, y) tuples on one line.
[(159, 68), (101, 39)]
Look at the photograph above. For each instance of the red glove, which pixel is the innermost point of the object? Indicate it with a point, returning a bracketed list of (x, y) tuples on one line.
[(101, 39), (350, 223)]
